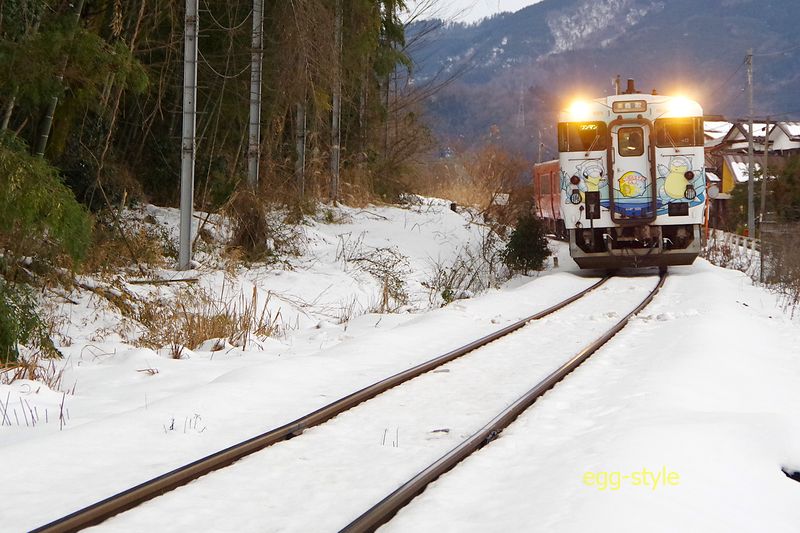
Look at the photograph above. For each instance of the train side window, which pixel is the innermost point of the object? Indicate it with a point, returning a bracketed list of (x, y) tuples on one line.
[(679, 132), (581, 136), (630, 141), (544, 184)]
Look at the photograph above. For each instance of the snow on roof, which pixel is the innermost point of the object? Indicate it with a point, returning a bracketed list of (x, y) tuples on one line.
[(739, 166), (792, 128), (717, 129)]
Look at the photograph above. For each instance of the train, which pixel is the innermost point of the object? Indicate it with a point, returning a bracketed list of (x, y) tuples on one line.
[(629, 187)]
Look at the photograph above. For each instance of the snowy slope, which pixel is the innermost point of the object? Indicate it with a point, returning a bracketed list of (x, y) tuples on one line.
[(702, 384)]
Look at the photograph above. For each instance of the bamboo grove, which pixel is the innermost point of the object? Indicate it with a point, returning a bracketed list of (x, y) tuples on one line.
[(95, 88)]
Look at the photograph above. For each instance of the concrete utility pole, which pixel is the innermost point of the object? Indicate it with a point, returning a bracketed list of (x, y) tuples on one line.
[(337, 105), (751, 229), (188, 142), (764, 174), (541, 145), (254, 144), (300, 147), (763, 211)]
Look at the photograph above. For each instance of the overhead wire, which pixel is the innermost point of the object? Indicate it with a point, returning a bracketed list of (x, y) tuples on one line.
[(780, 52), (220, 74), (222, 26)]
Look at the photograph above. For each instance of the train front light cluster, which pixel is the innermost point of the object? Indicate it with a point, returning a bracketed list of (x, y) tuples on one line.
[(690, 193)]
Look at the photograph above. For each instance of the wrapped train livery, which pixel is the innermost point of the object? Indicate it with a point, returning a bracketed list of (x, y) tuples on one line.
[(630, 181)]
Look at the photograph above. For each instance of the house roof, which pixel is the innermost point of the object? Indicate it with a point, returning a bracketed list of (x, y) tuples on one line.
[(791, 129), (739, 167), (715, 132)]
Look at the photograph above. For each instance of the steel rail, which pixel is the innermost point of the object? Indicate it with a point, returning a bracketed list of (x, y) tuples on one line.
[(130, 498), (384, 510)]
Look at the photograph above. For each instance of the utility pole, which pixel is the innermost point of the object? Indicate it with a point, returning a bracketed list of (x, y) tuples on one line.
[(300, 147), (337, 106), (750, 163), (254, 144), (188, 145), (763, 211), (541, 145), (764, 174)]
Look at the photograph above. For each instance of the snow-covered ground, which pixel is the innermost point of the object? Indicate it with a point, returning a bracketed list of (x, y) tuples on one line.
[(700, 390)]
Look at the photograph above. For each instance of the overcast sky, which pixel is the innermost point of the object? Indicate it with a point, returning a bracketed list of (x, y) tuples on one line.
[(470, 10)]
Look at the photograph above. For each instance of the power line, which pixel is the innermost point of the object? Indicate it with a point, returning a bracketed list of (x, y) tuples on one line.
[(767, 54), (735, 72), (220, 74), (222, 26)]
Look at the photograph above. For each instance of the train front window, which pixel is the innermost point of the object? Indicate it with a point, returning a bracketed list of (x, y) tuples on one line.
[(631, 142), (581, 136), (679, 132)]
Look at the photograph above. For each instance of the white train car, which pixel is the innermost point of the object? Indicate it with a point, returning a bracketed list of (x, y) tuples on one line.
[(633, 185)]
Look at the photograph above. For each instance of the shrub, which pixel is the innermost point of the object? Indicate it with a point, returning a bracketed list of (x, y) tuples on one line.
[(527, 247), (39, 216), (251, 232), (19, 323)]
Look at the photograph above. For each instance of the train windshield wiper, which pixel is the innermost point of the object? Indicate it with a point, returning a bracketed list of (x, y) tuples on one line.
[(594, 141), (670, 139)]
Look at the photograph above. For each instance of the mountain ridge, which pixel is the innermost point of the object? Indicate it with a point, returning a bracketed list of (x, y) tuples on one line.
[(521, 67)]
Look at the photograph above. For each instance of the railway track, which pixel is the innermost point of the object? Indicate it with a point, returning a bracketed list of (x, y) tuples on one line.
[(99, 512), (384, 510)]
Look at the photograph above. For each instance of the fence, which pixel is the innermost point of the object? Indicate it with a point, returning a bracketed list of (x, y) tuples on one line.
[(730, 250)]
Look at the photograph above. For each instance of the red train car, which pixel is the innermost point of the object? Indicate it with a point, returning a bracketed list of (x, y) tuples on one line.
[(547, 195)]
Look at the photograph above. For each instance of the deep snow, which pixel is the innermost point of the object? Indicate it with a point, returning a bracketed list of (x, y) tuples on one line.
[(703, 384)]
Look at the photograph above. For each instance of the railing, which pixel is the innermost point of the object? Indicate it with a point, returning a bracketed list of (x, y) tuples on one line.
[(730, 250)]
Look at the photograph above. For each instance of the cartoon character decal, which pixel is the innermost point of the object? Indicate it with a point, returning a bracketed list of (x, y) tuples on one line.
[(592, 176), (634, 196), (673, 185), (673, 176)]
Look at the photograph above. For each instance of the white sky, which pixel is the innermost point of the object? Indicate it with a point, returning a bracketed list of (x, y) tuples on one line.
[(468, 10)]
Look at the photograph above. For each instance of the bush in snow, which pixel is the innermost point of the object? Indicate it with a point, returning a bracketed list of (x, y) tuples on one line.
[(20, 324), (39, 216), (527, 247)]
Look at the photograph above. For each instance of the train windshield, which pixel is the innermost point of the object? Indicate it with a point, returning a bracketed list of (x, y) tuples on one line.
[(581, 136), (679, 132)]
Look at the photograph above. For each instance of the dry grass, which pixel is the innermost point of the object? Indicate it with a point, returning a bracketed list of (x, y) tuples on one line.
[(782, 263), (32, 365), (474, 179), (196, 316), (124, 245)]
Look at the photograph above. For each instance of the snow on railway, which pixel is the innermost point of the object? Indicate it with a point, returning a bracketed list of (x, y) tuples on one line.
[(704, 384)]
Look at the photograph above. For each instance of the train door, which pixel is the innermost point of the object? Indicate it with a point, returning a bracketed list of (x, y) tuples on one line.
[(633, 194)]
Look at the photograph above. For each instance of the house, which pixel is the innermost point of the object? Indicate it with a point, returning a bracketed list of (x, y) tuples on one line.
[(727, 154)]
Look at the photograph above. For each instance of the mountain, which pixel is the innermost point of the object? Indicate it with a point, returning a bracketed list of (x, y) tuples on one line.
[(516, 70)]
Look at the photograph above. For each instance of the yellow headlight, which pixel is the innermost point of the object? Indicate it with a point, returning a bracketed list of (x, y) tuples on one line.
[(681, 107), (580, 110)]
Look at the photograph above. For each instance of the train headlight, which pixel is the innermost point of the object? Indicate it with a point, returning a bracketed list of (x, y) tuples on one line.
[(580, 110), (681, 107), (574, 180), (690, 193), (575, 197), (689, 175)]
